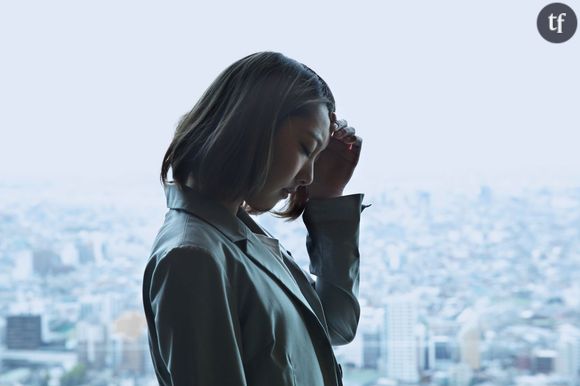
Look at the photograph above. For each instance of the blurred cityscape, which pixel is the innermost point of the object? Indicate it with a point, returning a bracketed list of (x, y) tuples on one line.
[(458, 287)]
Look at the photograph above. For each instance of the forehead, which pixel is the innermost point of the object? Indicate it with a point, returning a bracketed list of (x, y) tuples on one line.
[(316, 125)]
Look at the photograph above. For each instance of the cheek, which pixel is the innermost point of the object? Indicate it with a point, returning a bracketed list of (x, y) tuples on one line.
[(287, 161), (277, 174), (284, 160), (285, 164)]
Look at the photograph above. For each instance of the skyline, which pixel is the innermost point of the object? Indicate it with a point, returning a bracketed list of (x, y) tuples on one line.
[(508, 261)]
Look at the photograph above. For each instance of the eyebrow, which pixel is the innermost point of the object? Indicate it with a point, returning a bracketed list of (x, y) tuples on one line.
[(317, 138)]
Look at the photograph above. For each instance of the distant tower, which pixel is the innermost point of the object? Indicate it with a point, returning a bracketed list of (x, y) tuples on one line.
[(568, 353), (86, 251), (424, 205), (91, 345), (441, 352), (469, 339), (45, 262), (460, 374), (130, 353), (23, 332), (543, 361), (485, 195), (400, 341), (372, 321), (422, 347)]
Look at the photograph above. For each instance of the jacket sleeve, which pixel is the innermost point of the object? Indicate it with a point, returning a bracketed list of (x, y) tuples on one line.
[(332, 244), (195, 319)]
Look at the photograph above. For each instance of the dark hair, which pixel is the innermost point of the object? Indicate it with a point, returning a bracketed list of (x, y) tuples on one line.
[(225, 141)]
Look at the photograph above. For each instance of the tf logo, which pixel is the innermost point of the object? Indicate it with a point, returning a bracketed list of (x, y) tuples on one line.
[(557, 22)]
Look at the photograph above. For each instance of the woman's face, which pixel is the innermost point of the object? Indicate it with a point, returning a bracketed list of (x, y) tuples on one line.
[(297, 144)]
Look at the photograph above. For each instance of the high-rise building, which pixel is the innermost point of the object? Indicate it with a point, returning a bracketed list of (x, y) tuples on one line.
[(568, 353), (422, 347), (460, 374), (23, 332), (401, 349), (86, 251), (46, 262), (128, 345), (442, 352), (92, 345), (469, 339), (371, 349), (370, 330), (543, 361)]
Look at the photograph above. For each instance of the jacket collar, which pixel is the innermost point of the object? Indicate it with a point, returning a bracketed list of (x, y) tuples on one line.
[(184, 198), (239, 229)]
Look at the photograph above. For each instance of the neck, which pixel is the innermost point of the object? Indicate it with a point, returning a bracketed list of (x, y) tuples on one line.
[(231, 207)]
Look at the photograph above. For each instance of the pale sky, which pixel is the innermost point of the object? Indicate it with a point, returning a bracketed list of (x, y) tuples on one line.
[(460, 89)]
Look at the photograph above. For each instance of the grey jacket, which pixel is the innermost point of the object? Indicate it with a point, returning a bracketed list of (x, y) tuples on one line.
[(224, 309)]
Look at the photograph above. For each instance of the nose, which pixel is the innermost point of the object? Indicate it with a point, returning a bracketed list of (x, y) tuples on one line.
[(306, 174)]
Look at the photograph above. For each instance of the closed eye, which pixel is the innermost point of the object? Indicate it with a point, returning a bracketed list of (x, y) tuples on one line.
[(305, 150)]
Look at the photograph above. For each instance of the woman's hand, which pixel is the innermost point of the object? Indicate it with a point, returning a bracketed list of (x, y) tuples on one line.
[(335, 165)]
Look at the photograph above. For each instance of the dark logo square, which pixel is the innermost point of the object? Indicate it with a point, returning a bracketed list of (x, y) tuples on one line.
[(557, 22)]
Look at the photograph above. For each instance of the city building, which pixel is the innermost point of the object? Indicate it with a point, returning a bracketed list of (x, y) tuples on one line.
[(400, 341)]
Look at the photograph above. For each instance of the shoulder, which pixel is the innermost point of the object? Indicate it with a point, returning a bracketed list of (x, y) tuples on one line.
[(187, 233), (186, 261), (188, 243)]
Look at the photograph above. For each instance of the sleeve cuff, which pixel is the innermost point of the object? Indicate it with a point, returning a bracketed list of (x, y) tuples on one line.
[(336, 208)]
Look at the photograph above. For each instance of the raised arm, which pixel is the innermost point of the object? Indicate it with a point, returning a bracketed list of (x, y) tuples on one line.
[(332, 244)]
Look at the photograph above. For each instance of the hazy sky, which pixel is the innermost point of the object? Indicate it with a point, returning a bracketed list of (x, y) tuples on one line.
[(461, 89)]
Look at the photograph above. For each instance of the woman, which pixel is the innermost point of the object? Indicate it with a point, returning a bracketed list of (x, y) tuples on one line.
[(225, 303)]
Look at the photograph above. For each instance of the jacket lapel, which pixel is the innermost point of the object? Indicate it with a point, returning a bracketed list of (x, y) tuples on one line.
[(303, 282), (271, 264), (308, 291)]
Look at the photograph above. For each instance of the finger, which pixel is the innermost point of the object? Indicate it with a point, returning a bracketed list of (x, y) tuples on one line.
[(350, 152), (333, 128), (349, 130), (355, 147), (341, 123), (344, 132), (351, 141), (333, 123), (347, 141)]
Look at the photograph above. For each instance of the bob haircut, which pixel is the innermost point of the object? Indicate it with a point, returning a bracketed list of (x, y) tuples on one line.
[(225, 142)]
